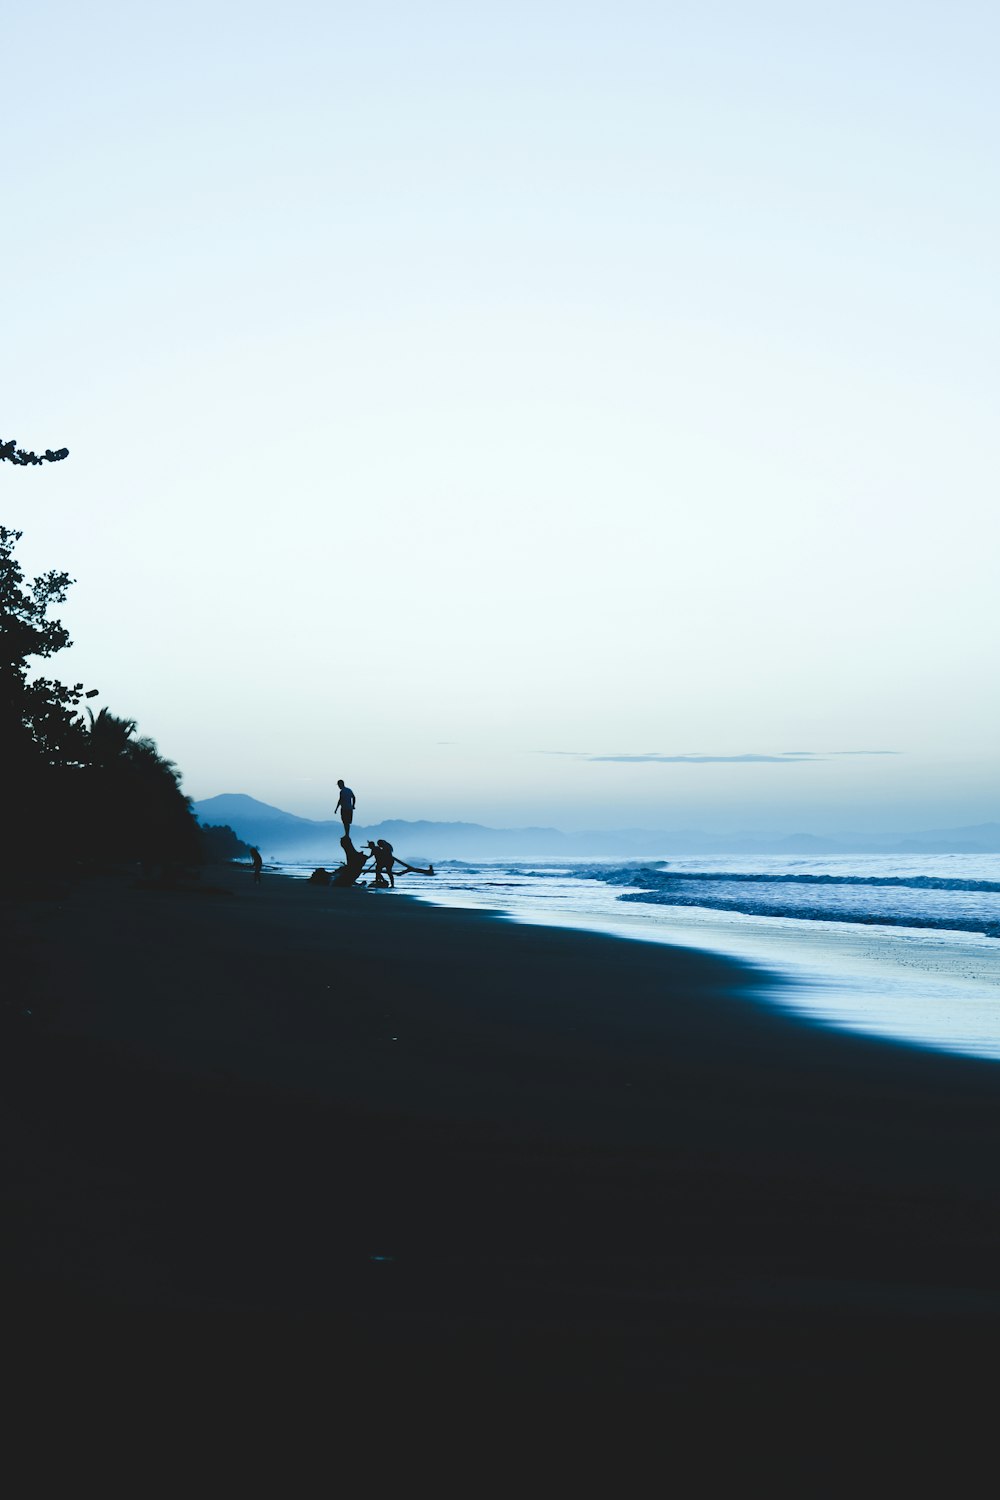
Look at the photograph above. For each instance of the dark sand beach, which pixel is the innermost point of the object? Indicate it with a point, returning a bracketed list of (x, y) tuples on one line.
[(313, 1142)]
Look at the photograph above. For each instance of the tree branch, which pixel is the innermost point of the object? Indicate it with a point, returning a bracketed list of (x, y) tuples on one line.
[(15, 455)]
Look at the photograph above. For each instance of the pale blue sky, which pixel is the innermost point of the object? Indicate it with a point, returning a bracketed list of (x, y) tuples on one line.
[(448, 384)]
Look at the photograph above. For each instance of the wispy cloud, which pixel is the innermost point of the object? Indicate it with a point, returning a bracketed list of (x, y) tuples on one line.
[(711, 760), (651, 757)]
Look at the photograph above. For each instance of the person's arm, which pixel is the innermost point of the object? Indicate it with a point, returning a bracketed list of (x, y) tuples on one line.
[(337, 808)]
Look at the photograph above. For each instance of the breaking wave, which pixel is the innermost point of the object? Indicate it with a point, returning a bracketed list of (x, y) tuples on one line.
[(636, 875), (908, 900)]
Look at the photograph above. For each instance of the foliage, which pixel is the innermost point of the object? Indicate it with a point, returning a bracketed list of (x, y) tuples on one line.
[(219, 843), (127, 778), (93, 790), (39, 718), (15, 455)]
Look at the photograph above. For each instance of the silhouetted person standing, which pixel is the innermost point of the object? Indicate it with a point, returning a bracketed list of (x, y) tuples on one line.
[(345, 803), (258, 865)]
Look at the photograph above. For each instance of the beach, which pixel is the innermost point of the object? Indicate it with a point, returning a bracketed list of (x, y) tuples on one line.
[(342, 1141)]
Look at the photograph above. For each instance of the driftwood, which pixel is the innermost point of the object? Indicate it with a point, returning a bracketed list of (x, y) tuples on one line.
[(355, 861), (404, 869)]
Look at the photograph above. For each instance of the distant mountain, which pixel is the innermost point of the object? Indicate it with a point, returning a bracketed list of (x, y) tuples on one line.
[(274, 831), (980, 838), (283, 835), (235, 807), (280, 834)]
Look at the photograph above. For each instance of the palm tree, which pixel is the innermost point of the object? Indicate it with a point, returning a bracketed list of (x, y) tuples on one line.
[(110, 737), (137, 806)]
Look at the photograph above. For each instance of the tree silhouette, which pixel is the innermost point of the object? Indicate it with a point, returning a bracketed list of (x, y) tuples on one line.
[(136, 807), (219, 843), (10, 452), (76, 790), (110, 737), (94, 790), (39, 719)]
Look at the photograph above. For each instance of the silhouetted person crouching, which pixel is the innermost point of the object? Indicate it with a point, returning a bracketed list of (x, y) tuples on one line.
[(384, 861), (383, 857)]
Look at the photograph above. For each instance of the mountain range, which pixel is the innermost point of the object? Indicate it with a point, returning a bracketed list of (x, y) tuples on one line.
[(281, 834)]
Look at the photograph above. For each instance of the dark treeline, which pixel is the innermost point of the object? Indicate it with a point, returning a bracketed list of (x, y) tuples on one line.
[(219, 842), (80, 788)]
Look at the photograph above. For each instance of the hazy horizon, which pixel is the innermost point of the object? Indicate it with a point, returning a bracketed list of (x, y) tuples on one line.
[(543, 416), (736, 832)]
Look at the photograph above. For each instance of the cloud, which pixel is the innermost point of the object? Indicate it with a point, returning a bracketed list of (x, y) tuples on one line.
[(711, 760), (649, 757)]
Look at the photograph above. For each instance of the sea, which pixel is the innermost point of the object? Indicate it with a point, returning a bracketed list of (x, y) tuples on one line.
[(902, 947)]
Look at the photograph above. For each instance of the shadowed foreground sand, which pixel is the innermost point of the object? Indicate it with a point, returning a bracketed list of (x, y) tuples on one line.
[(328, 1141)]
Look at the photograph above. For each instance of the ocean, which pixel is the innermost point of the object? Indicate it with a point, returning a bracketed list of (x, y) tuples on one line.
[(903, 947)]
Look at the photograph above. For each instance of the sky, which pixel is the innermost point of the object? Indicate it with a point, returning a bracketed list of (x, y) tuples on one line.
[(578, 414)]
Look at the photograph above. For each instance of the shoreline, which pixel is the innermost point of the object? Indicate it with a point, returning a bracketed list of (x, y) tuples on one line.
[(928, 987), (440, 1146)]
